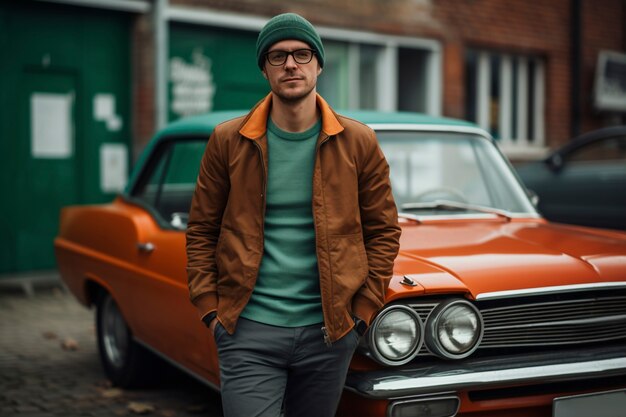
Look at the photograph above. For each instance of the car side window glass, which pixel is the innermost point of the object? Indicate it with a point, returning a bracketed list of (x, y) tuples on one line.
[(170, 183), (609, 149)]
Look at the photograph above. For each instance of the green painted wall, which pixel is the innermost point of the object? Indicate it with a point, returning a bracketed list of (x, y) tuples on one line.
[(59, 65)]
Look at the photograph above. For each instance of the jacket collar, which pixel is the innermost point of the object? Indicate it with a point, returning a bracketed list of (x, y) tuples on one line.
[(255, 125)]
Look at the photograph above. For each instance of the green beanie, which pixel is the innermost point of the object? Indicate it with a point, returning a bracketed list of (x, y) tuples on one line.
[(284, 27)]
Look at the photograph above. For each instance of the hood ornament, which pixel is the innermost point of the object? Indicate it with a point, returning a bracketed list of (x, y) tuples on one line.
[(408, 282)]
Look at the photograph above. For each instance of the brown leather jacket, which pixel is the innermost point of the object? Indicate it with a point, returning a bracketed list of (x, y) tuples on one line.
[(356, 226)]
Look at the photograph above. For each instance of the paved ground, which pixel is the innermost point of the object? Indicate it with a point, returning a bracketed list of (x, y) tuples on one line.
[(49, 366)]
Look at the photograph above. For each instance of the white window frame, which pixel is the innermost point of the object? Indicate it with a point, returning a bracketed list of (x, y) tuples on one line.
[(515, 144), (354, 59)]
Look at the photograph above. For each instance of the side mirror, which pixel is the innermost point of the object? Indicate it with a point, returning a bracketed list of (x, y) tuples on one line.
[(179, 220), (555, 162)]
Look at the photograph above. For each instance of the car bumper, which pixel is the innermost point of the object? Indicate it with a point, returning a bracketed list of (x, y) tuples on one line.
[(484, 373)]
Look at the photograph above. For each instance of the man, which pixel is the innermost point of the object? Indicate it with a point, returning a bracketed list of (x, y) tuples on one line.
[(292, 236)]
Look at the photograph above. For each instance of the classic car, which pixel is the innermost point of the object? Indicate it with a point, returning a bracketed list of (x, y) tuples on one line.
[(584, 181), (492, 310)]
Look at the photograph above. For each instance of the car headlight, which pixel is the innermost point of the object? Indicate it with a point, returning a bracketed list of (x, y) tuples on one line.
[(395, 336), (454, 329)]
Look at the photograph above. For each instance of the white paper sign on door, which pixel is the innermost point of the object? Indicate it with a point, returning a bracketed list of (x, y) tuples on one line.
[(104, 111), (51, 125), (113, 167)]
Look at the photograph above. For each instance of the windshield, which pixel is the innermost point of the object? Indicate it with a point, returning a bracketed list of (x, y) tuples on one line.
[(430, 167)]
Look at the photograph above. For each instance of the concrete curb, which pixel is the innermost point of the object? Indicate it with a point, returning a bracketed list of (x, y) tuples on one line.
[(28, 281)]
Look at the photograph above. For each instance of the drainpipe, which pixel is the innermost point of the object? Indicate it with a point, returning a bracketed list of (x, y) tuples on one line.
[(575, 63), (624, 44), (160, 56)]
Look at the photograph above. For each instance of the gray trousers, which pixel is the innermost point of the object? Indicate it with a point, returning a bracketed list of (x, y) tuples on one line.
[(265, 368)]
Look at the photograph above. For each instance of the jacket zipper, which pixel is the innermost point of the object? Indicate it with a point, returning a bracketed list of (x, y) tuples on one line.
[(326, 337), (264, 197), (327, 340)]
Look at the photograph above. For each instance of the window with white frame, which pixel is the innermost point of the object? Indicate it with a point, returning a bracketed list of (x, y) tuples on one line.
[(380, 77), (362, 70), (505, 95)]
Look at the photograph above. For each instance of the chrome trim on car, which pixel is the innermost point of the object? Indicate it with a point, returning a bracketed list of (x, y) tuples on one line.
[(550, 290), (423, 309), (430, 128), (425, 400), (621, 319), (524, 322), (587, 319), (146, 247), (476, 374)]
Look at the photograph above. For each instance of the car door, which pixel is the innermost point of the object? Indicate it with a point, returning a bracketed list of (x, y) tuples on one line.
[(589, 188), (164, 190)]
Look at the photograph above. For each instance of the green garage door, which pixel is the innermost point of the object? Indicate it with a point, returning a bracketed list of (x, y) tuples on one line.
[(48, 177), (64, 120)]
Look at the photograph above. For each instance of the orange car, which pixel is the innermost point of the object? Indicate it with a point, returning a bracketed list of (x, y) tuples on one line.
[(492, 310)]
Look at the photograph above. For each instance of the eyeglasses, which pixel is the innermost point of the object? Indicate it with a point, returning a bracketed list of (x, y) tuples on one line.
[(301, 56)]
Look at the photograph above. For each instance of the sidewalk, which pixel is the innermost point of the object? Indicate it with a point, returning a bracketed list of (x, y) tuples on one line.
[(49, 365)]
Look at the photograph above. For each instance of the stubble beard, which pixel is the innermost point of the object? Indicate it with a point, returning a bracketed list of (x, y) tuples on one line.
[(293, 99)]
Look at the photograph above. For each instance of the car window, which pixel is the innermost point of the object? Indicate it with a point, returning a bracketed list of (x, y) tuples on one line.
[(608, 149), (426, 167), (169, 183)]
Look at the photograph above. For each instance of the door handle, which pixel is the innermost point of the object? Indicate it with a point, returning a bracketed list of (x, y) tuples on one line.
[(146, 247)]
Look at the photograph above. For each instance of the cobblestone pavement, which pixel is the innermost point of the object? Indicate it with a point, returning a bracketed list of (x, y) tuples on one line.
[(49, 366)]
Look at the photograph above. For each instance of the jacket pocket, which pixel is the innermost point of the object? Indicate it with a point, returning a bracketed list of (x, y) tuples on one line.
[(236, 256), (349, 266)]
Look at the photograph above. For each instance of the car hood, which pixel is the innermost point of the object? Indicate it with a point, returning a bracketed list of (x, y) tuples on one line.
[(488, 256)]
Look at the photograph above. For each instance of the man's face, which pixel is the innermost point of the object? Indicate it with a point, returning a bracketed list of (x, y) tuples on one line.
[(292, 81)]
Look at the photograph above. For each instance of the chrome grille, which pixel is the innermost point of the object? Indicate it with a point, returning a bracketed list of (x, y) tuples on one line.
[(423, 310), (557, 322), (522, 323)]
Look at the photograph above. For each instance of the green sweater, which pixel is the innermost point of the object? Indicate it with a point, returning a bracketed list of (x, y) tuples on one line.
[(287, 291)]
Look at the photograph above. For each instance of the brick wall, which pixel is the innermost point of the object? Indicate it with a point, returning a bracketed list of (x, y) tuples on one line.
[(398, 17), (143, 76), (535, 28)]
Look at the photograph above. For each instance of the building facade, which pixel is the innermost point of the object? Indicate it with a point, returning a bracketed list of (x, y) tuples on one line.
[(524, 71), (90, 81)]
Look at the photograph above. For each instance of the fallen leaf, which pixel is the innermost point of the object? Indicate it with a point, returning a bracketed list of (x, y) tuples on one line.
[(112, 393), (140, 408), (49, 335), (69, 344)]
